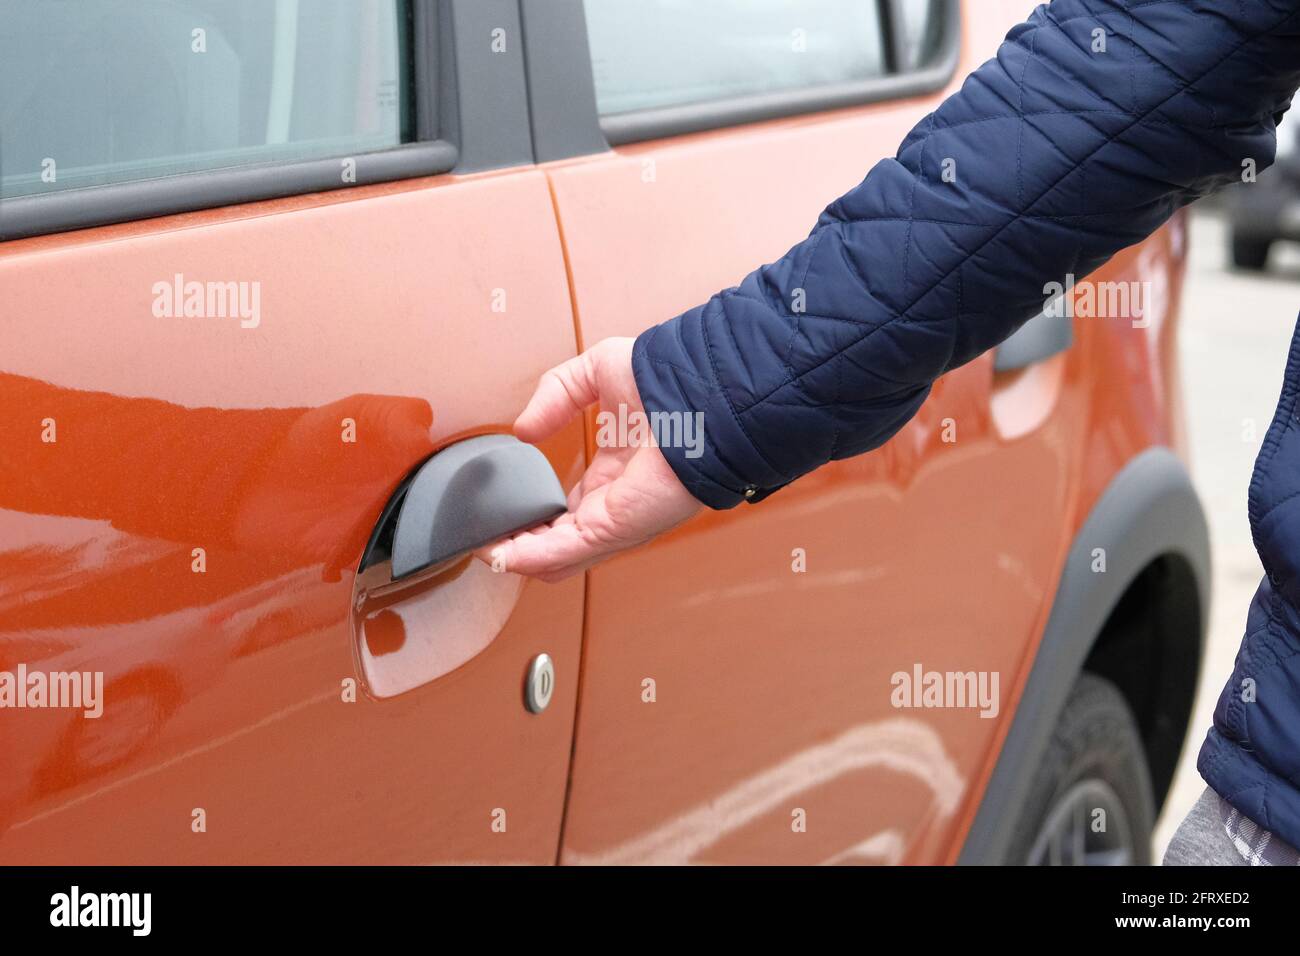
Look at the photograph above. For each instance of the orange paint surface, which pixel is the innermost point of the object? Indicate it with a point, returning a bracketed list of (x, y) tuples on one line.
[(226, 687)]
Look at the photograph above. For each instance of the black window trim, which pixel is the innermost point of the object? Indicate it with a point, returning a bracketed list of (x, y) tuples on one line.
[(901, 81), (478, 119)]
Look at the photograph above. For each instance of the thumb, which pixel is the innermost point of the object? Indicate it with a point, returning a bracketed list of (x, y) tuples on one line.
[(561, 394)]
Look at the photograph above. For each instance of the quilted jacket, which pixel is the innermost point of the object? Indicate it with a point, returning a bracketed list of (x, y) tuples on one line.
[(1065, 150)]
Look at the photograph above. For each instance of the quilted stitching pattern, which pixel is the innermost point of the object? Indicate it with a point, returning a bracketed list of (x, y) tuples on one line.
[(908, 276), (1252, 755)]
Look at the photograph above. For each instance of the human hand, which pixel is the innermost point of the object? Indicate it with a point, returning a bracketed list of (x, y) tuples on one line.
[(627, 496)]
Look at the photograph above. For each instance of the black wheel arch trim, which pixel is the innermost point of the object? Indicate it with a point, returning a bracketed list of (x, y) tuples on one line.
[(1149, 510)]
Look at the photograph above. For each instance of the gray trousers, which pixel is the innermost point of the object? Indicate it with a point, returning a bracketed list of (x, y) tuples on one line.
[(1217, 834), (1201, 839)]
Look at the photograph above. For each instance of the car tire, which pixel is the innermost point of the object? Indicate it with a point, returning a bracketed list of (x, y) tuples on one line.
[(1090, 803), (1250, 254)]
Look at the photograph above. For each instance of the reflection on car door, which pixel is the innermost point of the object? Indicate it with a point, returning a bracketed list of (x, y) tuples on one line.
[(185, 495)]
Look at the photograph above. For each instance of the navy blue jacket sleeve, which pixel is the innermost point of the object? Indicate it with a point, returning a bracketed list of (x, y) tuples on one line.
[(1063, 154)]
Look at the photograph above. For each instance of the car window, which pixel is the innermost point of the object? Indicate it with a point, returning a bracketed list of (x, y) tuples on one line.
[(922, 30), (121, 90), (651, 54)]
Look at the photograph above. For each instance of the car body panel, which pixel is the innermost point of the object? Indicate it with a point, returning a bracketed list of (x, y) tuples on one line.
[(176, 433), (771, 736)]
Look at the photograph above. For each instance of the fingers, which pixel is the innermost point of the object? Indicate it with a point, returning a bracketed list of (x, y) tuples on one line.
[(544, 552), (607, 465), (555, 551), (561, 394)]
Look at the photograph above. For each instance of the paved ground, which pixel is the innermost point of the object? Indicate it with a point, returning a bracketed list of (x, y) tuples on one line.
[(1235, 332)]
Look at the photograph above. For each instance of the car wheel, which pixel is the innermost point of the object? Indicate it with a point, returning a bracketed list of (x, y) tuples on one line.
[(1090, 803), (1250, 254)]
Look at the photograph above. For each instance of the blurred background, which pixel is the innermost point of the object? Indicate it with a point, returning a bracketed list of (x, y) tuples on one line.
[(1239, 310)]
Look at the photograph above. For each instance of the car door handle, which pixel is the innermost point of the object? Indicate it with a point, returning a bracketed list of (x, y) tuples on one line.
[(1048, 333), (469, 494)]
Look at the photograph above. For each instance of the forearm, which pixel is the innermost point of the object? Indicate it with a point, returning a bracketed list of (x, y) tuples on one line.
[(1059, 155)]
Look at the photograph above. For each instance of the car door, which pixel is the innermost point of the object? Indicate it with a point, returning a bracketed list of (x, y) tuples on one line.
[(742, 678), (315, 254)]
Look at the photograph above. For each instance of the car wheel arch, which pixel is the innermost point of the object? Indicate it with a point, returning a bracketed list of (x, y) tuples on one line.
[(1148, 516)]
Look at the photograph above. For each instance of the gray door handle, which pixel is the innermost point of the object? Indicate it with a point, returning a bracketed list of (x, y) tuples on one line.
[(469, 494), (1043, 336)]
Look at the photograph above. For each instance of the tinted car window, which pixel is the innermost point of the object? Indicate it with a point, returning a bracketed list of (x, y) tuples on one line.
[(650, 54), (117, 90)]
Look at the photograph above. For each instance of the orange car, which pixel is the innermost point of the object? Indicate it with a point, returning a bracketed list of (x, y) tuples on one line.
[(275, 279)]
